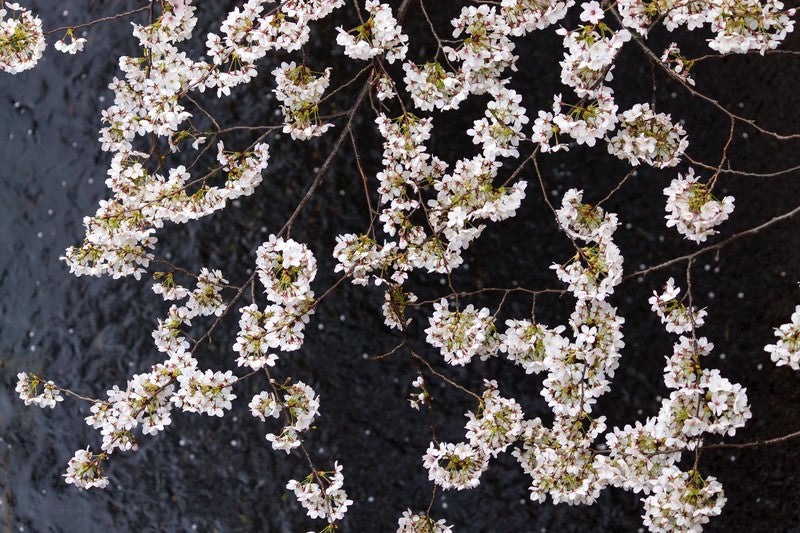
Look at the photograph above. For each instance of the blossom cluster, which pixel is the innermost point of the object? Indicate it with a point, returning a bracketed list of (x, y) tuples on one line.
[(69, 44), (787, 350), (299, 91), (410, 522), (673, 314), (322, 494), (34, 391), (21, 38), (458, 200), (120, 237), (739, 26), (380, 34), (596, 268), (692, 209), (299, 404), (648, 137), (461, 335)]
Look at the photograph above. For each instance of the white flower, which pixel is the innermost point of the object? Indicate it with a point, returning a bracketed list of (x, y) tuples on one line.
[(528, 344), (253, 341), (431, 86), (525, 16), (501, 128), (206, 392), (485, 50), (263, 405), (584, 221), (588, 120), (742, 26), (593, 272), (591, 12), (206, 299)]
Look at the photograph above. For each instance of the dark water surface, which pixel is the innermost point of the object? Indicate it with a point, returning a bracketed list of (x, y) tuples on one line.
[(220, 474)]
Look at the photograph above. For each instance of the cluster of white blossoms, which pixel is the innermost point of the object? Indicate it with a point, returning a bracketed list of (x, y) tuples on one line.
[(739, 26), (679, 64), (432, 87), (120, 237), (359, 256), (525, 16), (410, 522), (591, 51), (682, 501), (148, 399), (69, 44), (596, 268), (299, 90), (638, 455), (455, 466), (692, 209), (286, 269), (85, 470), (322, 495), (562, 460), (677, 317), (299, 405), (500, 131), (458, 201), (527, 344), (584, 221), (249, 34), (395, 303), (461, 335), (648, 137), (206, 392), (702, 400), (787, 350), (380, 34), (34, 391), (498, 423), (205, 300), (21, 38)]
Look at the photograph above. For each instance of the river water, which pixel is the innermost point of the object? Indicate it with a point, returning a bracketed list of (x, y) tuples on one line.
[(220, 474)]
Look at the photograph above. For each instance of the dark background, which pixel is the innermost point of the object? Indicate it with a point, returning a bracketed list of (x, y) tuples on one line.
[(221, 474)]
